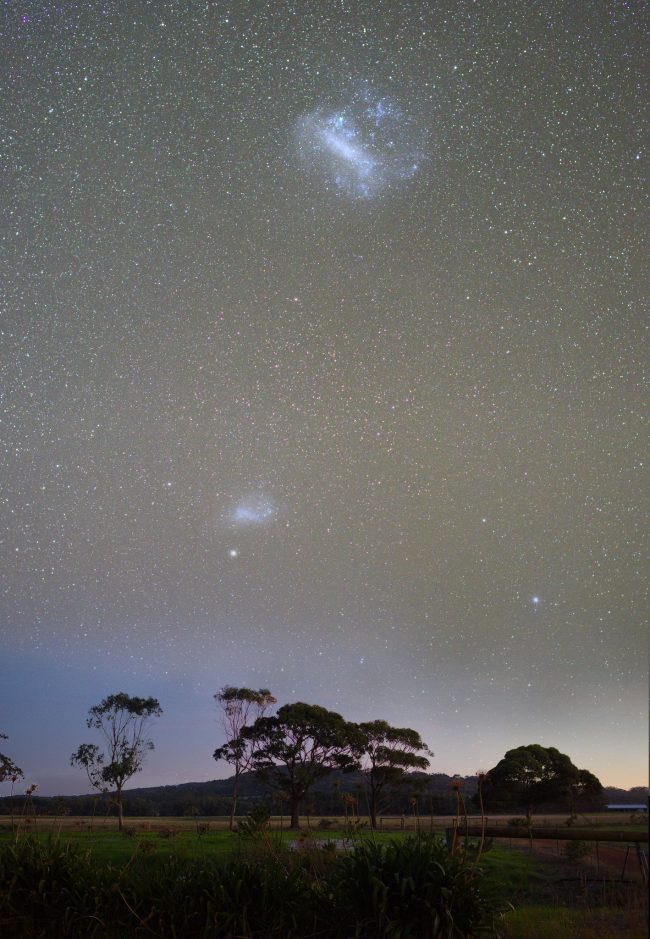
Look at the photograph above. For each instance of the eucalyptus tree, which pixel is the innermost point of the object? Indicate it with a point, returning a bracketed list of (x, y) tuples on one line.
[(387, 755), (8, 769), (241, 708), (298, 746), (122, 722)]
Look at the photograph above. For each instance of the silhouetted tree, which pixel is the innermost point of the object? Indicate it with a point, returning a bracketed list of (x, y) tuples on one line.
[(586, 792), (300, 745), (532, 775), (387, 753), (122, 722), (8, 769), (241, 708)]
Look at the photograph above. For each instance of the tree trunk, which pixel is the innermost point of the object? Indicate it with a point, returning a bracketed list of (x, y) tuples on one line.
[(482, 841), (118, 799), (372, 809), (295, 818), (233, 809), (529, 819)]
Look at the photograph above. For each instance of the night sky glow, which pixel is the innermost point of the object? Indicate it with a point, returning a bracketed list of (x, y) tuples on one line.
[(323, 345)]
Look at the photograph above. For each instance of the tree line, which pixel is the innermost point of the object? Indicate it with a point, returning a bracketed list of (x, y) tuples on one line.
[(292, 754), (302, 743)]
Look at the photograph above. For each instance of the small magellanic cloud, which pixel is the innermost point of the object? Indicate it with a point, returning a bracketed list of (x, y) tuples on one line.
[(252, 511)]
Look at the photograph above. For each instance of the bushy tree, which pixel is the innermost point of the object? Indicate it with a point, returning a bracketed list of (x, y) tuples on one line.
[(299, 745), (387, 754), (122, 721), (586, 792), (532, 775), (241, 708)]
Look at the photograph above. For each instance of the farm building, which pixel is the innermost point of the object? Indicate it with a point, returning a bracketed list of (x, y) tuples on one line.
[(626, 807)]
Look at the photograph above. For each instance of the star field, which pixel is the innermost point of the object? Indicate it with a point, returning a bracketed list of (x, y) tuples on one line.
[(324, 369)]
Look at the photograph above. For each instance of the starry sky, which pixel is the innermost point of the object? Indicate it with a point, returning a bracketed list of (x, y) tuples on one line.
[(323, 347)]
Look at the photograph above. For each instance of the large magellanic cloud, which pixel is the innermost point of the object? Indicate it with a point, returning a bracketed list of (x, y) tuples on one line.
[(361, 146)]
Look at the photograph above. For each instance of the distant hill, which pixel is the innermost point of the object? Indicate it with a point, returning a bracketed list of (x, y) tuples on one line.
[(433, 794), (636, 796)]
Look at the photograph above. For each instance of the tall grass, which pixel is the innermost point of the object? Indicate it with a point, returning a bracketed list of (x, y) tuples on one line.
[(408, 889), (48, 889), (411, 888)]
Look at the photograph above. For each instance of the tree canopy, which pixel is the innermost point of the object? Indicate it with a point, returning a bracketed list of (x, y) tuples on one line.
[(532, 775), (8, 769), (241, 707), (121, 721), (387, 754), (298, 746)]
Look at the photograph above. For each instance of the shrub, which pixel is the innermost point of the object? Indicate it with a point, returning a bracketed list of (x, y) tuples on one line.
[(256, 822), (255, 898), (49, 889), (400, 890), (410, 888), (53, 890), (577, 850)]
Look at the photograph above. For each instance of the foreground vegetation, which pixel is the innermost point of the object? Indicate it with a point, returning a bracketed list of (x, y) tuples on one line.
[(404, 887), (177, 881)]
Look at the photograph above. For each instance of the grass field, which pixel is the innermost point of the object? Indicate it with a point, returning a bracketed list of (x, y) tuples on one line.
[(603, 821)]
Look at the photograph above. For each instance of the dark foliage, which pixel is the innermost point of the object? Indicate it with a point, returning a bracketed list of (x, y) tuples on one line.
[(301, 744), (213, 798), (413, 889), (533, 776), (8, 769), (388, 755)]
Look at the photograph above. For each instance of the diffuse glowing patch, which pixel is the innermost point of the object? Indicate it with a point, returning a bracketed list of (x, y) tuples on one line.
[(362, 147), (254, 511)]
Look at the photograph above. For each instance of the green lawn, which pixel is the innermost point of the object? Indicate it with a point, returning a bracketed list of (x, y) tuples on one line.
[(516, 876), (561, 922), (108, 846), (111, 847)]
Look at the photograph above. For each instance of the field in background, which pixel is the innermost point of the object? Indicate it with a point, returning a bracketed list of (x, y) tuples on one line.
[(436, 823)]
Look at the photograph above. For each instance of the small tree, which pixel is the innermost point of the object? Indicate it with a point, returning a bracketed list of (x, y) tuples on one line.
[(300, 745), (122, 722), (241, 707), (388, 753), (8, 769)]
